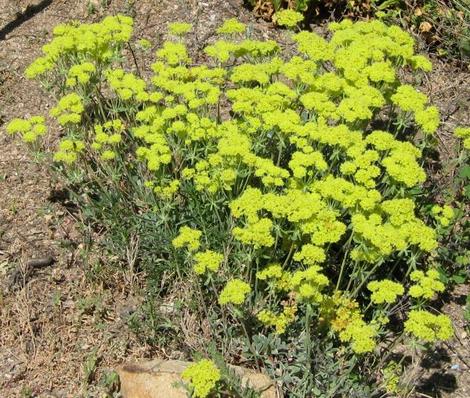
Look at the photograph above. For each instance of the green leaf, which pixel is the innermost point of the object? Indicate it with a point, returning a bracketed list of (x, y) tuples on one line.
[(465, 172), (386, 4), (443, 276), (466, 191), (459, 278)]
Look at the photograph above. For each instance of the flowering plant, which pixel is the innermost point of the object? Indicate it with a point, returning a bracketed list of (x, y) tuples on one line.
[(283, 186)]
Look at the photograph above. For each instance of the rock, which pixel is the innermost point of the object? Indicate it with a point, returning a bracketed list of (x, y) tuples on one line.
[(159, 378)]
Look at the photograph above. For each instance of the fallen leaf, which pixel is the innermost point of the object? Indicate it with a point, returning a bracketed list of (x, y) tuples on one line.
[(425, 26)]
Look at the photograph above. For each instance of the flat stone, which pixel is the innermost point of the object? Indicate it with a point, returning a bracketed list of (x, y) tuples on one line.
[(160, 378)]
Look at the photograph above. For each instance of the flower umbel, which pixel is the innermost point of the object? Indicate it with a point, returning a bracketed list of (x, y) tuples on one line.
[(234, 292), (187, 238), (202, 377), (207, 261), (429, 327)]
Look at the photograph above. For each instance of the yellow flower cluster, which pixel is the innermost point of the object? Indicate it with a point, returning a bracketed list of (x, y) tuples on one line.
[(385, 291), (349, 324), (68, 151), (107, 137), (164, 190), (97, 41), (127, 85), (231, 26), (144, 44), (173, 53), (427, 284), (156, 152), (257, 233), (391, 377), (29, 129), (179, 28), (260, 73), (222, 50), (429, 327), (310, 255), (394, 229), (207, 261), (80, 74), (309, 284), (464, 134), (188, 238), (280, 321), (410, 100), (305, 285), (276, 277), (234, 292), (288, 18), (443, 214), (202, 377), (69, 109)]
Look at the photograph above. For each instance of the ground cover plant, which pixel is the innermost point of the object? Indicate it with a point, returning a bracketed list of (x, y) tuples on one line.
[(285, 188)]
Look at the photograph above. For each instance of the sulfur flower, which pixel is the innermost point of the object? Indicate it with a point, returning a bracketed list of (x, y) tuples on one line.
[(207, 261), (69, 109), (80, 74), (348, 322), (174, 53), (385, 291), (231, 26), (288, 18), (276, 277), (107, 136), (127, 85), (40, 66), (310, 255), (401, 164), (179, 28), (280, 321), (79, 41), (308, 284), (291, 154), (29, 129), (68, 151), (145, 44), (202, 377), (444, 215), (427, 284), (463, 133), (314, 46), (272, 271), (108, 155), (421, 62), (257, 233), (409, 99), (221, 50), (167, 191), (234, 292), (381, 72), (360, 334), (428, 119), (429, 327), (248, 204), (188, 237), (391, 377)]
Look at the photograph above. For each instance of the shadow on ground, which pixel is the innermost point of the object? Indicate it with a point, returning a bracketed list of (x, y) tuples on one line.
[(21, 18)]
